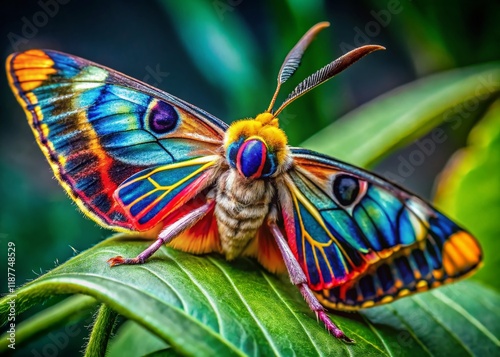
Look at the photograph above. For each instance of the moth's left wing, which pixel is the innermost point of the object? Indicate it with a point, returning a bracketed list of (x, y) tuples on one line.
[(362, 240), (97, 127)]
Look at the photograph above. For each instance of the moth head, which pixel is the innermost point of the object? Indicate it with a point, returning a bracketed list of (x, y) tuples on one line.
[(257, 148)]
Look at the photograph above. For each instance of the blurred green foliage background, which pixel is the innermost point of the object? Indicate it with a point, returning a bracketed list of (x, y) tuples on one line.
[(223, 56)]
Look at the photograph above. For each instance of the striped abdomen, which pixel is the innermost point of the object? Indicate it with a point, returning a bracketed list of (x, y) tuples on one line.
[(242, 206)]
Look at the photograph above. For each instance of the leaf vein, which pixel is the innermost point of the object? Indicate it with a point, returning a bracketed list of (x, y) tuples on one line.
[(141, 322), (205, 293), (416, 299), (292, 312), (263, 329), (409, 329), (375, 332), (446, 300)]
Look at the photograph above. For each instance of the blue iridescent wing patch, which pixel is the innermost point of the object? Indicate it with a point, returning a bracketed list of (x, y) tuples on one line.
[(150, 195)]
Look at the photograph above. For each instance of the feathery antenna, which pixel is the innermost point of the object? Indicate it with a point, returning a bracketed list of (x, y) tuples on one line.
[(327, 72), (292, 60)]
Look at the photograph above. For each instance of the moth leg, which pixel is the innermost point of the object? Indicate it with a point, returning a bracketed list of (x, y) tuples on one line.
[(299, 279), (166, 235)]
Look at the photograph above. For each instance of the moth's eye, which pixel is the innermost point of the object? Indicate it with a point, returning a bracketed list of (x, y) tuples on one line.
[(163, 118), (346, 189), (270, 165), (251, 158), (232, 152)]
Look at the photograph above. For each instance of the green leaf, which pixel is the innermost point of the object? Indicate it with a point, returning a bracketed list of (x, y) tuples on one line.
[(101, 332), (69, 311), (207, 306), (400, 116), (136, 340), (469, 190)]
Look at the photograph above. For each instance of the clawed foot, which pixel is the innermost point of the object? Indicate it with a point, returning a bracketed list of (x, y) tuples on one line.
[(332, 328), (119, 260), (345, 339)]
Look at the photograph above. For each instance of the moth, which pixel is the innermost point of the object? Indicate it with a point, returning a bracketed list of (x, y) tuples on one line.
[(137, 159)]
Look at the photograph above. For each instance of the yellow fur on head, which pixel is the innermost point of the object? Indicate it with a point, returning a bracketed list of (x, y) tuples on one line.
[(264, 126)]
